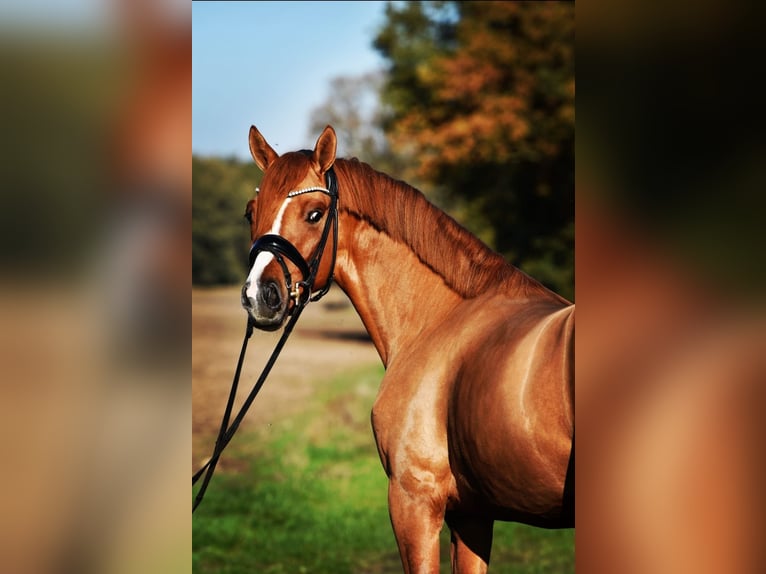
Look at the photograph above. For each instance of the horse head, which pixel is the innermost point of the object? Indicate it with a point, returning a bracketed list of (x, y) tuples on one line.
[(292, 254)]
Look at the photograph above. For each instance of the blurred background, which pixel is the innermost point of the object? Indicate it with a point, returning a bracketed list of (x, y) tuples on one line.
[(95, 224), (97, 228), (671, 378)]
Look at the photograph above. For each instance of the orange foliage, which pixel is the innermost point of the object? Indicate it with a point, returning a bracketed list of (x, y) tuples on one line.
[(504, 93)]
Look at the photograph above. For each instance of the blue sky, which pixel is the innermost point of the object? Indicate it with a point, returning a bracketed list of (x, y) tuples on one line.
[(270, 64)]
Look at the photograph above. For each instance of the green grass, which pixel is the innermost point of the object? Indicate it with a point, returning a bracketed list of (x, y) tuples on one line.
[(313, 499)]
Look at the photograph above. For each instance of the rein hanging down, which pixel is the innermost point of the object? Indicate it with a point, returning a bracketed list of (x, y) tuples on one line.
[(301, 293)]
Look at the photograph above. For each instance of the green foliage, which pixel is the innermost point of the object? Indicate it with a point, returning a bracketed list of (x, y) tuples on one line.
[(481, 95), (220, 234), (314, 499)]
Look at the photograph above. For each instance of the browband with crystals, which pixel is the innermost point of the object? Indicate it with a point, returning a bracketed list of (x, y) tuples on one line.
[(308, 190), (301, 191)]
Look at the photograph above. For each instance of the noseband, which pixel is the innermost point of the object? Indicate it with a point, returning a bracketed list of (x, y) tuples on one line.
[(281, 248)]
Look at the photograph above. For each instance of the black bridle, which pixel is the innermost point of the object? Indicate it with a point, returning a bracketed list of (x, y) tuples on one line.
[(301, 293), (281, 247)]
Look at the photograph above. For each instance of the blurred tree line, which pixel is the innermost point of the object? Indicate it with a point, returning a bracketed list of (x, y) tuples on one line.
[(220, 233), (475, 107)]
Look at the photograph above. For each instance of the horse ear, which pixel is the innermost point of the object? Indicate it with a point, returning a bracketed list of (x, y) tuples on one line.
[(324, 150), (261, 151)]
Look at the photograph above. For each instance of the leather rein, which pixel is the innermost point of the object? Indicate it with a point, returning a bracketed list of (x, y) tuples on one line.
[(300, 293)]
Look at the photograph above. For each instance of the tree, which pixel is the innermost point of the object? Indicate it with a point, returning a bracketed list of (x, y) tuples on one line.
[(220, 233), (353, 108), (482, 94)]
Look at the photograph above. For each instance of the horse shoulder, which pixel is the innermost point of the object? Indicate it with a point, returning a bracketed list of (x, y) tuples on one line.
[(409, 419)]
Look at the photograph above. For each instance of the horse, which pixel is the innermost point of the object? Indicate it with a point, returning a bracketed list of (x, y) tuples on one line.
[(473, 419)]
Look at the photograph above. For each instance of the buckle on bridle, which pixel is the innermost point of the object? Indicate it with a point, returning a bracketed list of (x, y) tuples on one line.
[(301, 292)]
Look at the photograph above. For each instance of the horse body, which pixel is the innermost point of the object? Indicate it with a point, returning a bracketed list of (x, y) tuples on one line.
[(509, 436), (473, 419)]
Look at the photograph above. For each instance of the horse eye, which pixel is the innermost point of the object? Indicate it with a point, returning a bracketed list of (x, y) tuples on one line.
[(248, 216), (314, 216)]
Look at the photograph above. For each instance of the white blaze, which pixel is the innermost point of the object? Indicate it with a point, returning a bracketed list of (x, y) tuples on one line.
[(264, 257)]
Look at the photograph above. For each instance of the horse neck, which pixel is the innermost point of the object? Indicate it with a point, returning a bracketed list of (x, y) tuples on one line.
[(394, 298), (405, 264)]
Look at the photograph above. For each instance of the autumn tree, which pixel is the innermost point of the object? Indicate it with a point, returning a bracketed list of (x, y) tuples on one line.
[(481, 96)]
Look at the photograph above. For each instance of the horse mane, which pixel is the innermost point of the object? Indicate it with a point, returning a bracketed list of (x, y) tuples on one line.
[(397, 209)]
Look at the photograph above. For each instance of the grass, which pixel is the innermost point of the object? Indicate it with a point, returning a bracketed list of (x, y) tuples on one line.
[(314, 500)]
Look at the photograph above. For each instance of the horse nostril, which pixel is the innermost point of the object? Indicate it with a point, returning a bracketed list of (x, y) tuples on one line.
[(270, 296), (246, 301)]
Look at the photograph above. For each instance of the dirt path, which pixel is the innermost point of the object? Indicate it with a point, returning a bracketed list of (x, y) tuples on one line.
[(328, 340)]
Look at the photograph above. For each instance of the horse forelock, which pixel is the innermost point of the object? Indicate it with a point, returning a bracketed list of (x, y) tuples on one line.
[(400, 211), (284, 175)]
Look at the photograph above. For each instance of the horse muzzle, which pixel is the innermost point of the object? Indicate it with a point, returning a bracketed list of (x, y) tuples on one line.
[(268, 302), (266, 305)]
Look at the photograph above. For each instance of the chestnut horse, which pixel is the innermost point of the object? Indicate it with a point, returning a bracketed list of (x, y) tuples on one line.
[(474, 417)]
